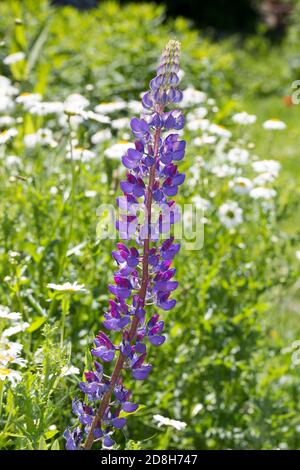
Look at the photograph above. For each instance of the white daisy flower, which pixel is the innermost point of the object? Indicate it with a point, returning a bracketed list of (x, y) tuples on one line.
[(223, 171), (192, 97), (90, 193), (43, 108), (267, 166), (6, 121), (27, 100), (198, 124), (198, 113), (238, 155), (135, 107), (81, 154), (13, 330), (219, 130), (107, 108), (10, 357), (97, 117), (204, 140), (75, 104), (244, 118), (263, 178), (67, 287), (69, 370), (41, 137), (13, 376), (163, 421), (201, 203), (241, 185), (230, 214), (7, 315), (263, 193), (14, 58), (116, 151), (120, 123), (6, 104), (101, 136), (7, 135), (274, 124)]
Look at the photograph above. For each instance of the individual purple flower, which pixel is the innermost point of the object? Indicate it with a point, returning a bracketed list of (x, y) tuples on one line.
[(172, 149), (144, 274), (104, 349), (73, 438), (140, 129)]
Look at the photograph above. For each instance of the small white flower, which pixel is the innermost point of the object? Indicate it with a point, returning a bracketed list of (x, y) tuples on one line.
[(163, 421), (101, 136), (198, 113), (27, 100), (7, 315), (6, 104), (14, 58), (298, 254), (90, 193), (10, 356), (230, 214), (107, 108), (201, 203), (12, 330), (220, 131), (197, 125), (244, 118), (135, 107), (41, 137), (12, 375), (192, 97), (116, 151), (120, 123), (7, 135), (263, 178), (274, 124), (267, 166), (69, 370), (241, 185), (205, 139), (6, 121), (67, 287), (97, 117), (238, 155), (75, 103), (263, 193), (80, 154), (223, 171), (43, 108)]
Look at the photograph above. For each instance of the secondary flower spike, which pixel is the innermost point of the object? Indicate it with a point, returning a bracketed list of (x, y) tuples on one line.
[(144, 274)]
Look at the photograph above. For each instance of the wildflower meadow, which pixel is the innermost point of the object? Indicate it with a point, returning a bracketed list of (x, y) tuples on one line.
[(149, 241)]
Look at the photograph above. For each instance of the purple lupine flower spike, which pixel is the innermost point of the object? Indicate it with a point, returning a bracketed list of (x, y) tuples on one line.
[(144, 273)]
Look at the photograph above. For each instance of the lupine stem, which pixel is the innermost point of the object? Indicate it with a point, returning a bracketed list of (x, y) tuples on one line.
[(142, 295)]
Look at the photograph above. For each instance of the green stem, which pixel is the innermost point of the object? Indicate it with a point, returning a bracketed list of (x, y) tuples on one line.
[(73, 187), (65, 306), (69, 238)]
